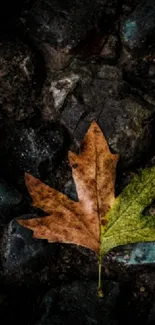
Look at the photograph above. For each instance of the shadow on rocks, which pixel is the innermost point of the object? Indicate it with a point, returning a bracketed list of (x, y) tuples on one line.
[(78, 303)]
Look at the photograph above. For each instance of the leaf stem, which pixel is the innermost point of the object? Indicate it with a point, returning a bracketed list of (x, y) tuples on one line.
[(100, 292)]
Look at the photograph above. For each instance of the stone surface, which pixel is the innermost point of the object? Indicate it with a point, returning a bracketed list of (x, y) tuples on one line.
[(26, 260), (139, 26), (88, 86), (10, 201), (60, 29), (126, 124), (78, 303), (55, 93), (110, 50), (140, 293), (102, 95), (18, 304), (65, 24), (7, 9), (21, 79), (95, 85), (34, 147)]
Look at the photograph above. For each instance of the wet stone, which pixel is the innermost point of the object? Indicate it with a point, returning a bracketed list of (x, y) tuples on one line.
[(109, 51), (139, 292), (109, 73), (32, 147), (79, 304), (138, 28), (126, 125), (82, 89), (29, 261), (64, 24), (102, 95), (21, 78), (139, 254), (95, 85), (17, 305), (22, 257), (55, 93), (10, 201)]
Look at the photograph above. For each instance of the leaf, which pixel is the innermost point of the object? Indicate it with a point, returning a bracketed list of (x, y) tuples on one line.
[(77, 222), (126, 222), (98, 221)]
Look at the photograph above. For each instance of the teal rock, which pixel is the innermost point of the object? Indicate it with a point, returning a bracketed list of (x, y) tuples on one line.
[(138, 254), (140, 25)]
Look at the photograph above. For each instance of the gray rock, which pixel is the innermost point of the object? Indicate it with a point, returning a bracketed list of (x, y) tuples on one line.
[(8, 195), (58, 27), (138, 72), (128, 128), (95, 85), (102, 95), (109, 73), (7, 9), (61, 88), (110, 50), (80, 89), (10, 201), (78, 303), (17, 305), (139, 26), (73, 112), (38, 148), (29, 261), (55, 93), (21, 78), (64, 24)]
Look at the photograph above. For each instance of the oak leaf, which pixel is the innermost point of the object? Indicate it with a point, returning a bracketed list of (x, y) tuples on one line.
[(98, 220), (77, 222)]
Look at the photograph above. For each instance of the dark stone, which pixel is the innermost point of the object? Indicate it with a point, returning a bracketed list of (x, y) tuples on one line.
[(73, 112), (78, 303), (128, 128), (64, 24), (29, 261), (61, 29), (81, 89), (151, 316), (38, 148), (17, 305), (138, 29), (110, 50), (10, 201), (136, 298), (137, 55), (9, 9), (138, 72), (21, 79), (102, 95), (95, 85), (8, 195)]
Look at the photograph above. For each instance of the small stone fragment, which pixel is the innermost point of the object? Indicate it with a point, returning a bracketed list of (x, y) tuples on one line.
[(110, 49)]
